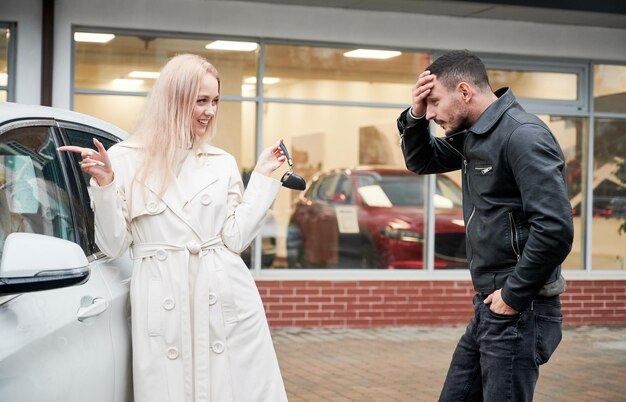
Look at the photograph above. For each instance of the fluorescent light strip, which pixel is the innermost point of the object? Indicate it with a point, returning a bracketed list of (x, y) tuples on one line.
[(372, 54), (266, 80), (144, 74), (93, 37), (232, 46), (125, 83)]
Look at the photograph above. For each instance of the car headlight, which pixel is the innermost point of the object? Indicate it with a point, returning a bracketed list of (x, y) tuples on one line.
[(402, 235)]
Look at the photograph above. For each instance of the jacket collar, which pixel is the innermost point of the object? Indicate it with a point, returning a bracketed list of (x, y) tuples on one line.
[(494, 112)]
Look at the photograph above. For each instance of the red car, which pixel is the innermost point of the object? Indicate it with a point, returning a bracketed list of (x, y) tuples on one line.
[(373, 217)]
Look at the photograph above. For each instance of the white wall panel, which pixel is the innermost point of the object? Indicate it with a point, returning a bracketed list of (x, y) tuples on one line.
[(27, 15)]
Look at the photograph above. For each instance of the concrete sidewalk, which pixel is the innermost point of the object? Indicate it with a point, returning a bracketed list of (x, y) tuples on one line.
[(410, 364)]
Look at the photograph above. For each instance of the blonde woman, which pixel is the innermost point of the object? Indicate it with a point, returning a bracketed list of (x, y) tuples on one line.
[(198, 325)]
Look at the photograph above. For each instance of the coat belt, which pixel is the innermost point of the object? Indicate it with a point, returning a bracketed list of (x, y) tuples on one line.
[(144, 250)]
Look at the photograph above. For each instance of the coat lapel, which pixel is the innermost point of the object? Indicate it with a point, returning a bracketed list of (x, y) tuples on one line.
[(197, 172)]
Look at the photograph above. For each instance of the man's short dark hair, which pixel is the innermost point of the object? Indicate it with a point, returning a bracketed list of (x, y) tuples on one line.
[(460, 65)]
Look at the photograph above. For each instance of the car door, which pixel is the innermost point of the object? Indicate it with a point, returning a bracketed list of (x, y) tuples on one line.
[(55, 345), (115, 272), (350, 240), (320, 230)]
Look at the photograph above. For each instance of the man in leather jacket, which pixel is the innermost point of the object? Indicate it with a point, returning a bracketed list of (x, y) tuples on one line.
[(517, 217)]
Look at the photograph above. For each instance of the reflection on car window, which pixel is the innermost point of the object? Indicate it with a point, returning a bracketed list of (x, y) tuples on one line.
[(85, 139), (391, 190), (33, 197), (344, 189), (326, 187)]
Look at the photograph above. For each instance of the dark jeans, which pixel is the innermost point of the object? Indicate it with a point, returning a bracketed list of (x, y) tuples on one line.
[(498, 357)]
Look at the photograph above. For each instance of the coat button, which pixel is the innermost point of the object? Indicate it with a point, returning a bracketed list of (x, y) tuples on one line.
[(212, 298), (172, 353), (205, 199), (193, 247), (161, 255), (168, 303), (218, 347), (152, 207)]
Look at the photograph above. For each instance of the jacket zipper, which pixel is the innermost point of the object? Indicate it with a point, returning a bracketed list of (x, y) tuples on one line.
[(467, 235), (514, 236)]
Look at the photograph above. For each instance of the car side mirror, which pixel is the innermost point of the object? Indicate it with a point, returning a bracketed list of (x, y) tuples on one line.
[(33, 262)]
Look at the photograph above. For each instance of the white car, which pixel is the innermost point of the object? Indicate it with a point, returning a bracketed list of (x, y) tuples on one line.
[(64, 313)]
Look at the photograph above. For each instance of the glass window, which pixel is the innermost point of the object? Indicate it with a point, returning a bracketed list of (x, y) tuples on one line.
[(5, 35), (536, 84), (84, 139), (609, 88), (344, 189), (609, 195), (571, 132), (326, 188), (322, 73), (33, 195), (362, 207), (131, 63), (120, 110)]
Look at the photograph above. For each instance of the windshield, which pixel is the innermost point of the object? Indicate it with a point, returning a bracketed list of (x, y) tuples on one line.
[(389, 190)]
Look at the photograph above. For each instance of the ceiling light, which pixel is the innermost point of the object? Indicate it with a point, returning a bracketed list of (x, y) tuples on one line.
[(266, 80), (93, 37), (144, 74), (125, 83), (372, 54), (232, 45), (247, 89)]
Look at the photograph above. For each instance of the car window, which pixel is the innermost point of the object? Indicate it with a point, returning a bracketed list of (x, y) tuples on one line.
[(447, 193), (33, 197), (391, 190), (326, 187), (344, 186), (85, 139), (81, 138)]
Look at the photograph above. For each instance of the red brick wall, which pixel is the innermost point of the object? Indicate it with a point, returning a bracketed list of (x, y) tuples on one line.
[(594, 302), (372, 303)]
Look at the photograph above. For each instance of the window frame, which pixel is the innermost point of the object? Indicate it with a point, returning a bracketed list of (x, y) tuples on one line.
[(51, 126), (547, 106), (11, 60), (581, 107), (80, 185)]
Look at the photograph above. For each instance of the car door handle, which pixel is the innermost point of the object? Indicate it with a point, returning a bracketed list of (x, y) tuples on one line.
[(97, 307)]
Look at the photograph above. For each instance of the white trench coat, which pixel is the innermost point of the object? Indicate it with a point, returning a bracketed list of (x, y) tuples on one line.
[(198, 325)]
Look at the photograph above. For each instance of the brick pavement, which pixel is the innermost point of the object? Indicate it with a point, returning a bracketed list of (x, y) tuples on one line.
[(409, 364)]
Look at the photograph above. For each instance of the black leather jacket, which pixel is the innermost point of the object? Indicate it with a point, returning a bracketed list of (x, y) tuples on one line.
[(518, 218)]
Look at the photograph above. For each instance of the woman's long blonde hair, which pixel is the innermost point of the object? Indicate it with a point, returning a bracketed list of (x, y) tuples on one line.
[(166, 124)]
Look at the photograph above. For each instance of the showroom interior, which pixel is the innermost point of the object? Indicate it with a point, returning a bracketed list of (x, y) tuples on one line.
[(330, 78)]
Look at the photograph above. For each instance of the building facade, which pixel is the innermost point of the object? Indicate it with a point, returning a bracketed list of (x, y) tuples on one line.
[(367, 244)]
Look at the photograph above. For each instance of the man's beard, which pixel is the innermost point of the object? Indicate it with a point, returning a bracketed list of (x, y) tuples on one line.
[(460, 120)]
